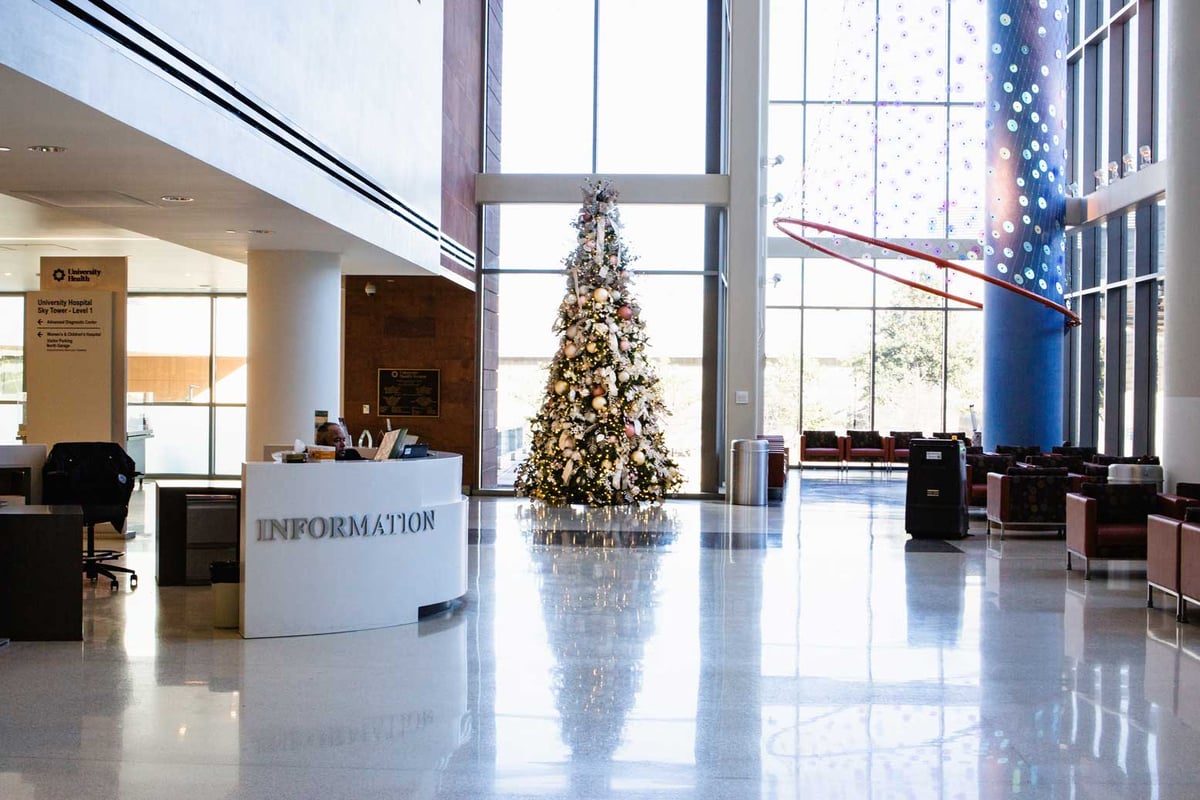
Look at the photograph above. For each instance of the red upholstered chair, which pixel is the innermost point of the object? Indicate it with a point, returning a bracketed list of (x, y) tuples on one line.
[(820, 446), (864, 446), (978, 467), (1108, 521), (897, 443)]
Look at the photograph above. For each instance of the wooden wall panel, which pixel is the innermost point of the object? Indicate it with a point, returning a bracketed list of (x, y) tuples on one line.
[(413, 323)]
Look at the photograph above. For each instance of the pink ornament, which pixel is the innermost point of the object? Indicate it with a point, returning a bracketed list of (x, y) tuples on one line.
[(629, 430), (597, 391), (625, 345), (625, 312)]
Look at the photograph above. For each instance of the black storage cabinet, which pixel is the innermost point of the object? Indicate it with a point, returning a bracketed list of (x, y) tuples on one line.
[(935, 502)]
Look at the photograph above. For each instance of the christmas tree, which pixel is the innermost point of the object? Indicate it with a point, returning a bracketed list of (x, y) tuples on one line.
[(597, 438)]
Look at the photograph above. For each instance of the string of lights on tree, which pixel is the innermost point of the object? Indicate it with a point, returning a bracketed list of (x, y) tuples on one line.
[(597, 438)]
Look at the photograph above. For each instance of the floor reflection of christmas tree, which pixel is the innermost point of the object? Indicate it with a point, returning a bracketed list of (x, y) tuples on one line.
[(598, 602)]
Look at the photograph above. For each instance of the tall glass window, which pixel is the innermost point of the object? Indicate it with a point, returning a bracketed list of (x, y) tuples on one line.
[(878, 117), (668, 283), (186, 382), (1118, 85), (628, 93), (12, 366)]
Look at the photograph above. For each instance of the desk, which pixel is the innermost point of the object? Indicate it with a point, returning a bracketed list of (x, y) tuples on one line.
[(350, 545), (173, 545), (40, 560), (32, 456)]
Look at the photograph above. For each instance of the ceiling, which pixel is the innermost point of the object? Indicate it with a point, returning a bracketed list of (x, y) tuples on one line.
[(104, 195)]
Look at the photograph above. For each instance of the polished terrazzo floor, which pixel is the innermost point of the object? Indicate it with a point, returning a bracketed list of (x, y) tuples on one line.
[(699, 650)]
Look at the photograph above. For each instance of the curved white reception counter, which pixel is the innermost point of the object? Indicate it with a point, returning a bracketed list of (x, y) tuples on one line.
[(350, 545)]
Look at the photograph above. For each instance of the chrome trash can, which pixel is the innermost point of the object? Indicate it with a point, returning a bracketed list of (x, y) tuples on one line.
[(748, 472)]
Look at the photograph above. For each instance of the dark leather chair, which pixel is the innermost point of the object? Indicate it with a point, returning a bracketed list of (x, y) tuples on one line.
[(98, 477), (820, 446), (1109, 520)]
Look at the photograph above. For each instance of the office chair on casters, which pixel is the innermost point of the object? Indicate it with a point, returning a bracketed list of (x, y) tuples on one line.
[(98, 477)]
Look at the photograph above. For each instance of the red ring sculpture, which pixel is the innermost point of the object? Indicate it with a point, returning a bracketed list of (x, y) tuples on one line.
[(782, 222)]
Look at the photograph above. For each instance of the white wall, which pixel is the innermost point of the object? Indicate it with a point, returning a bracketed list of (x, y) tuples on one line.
[(361, 78)]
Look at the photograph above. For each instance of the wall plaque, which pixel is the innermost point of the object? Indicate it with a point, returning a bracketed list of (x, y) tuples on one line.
[(409, 393)]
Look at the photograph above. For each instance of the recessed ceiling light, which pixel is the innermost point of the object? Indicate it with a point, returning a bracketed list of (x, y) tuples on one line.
[(45, 148), (4, 149), (176, 198), (263, 231), (231, 231)]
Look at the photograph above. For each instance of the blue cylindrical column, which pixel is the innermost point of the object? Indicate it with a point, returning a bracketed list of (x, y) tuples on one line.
[(1026, 203)]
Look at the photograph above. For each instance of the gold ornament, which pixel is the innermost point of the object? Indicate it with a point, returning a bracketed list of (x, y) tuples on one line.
[(599, 403), (600, 295), (569, 349), (591, 347), (639, 457), (560, 387)]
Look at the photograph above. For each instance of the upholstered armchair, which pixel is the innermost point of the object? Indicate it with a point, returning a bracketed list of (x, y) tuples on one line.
[(820, 446), (978, 467), (897, 444), (777, 465), (1189, 566), (1019, 451), (864, 446), (1108, 521), (960, 435), (1032, 498), (1086, 453), (1070, 463), (1164, 550)]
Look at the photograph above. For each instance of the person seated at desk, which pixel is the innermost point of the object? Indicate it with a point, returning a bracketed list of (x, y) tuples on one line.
[(331, 434)]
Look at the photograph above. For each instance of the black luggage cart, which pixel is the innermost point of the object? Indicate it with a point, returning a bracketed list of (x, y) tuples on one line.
[(935, 502)]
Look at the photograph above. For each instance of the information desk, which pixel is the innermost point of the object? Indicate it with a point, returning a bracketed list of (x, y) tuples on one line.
[(40, 561), (350, 545)]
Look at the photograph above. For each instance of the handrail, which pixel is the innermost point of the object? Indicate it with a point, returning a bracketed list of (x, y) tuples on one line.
[(781, 222)]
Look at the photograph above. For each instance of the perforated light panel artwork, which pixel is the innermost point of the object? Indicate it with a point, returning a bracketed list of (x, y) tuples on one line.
[(891, 104), (1026, 133)]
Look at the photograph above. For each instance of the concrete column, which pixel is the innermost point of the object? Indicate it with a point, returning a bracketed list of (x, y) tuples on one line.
[(747, 239), (294, 325), (1026, 202), (1181, 335)]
